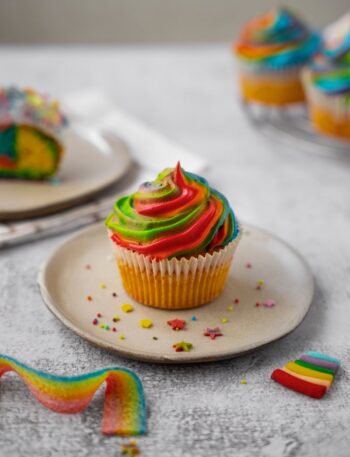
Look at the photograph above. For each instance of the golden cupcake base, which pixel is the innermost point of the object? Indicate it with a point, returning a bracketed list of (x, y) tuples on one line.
[(327, 122), (173, 291), (276, 91)]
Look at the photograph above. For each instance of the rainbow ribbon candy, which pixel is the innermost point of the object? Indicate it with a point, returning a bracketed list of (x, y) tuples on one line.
[(124, 406)]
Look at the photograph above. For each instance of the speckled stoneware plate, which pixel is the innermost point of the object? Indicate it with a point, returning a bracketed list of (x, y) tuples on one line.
[(80, 281), (90, 164)]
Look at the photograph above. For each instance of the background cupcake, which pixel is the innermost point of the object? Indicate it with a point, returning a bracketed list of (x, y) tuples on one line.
[(327, 82), (174, 240), (31, 127), (271, 51)]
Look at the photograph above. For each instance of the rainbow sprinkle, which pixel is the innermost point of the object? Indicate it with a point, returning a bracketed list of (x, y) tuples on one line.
[(124, 405)]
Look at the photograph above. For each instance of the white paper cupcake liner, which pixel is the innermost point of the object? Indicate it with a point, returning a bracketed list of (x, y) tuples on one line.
[(288, 72), (176, 267)]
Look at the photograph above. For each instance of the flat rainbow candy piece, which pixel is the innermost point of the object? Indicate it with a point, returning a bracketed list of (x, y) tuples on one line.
[(312, 374), (124, 405)]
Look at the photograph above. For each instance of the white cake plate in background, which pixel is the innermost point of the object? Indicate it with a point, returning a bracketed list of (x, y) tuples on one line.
[(90, 164), (80, 281)]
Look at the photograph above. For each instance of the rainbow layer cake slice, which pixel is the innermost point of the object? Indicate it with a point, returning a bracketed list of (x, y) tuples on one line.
[(31, 127)]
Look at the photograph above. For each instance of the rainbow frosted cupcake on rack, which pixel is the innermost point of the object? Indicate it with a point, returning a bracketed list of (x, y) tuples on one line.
[(174, 240), (327, 82), (271, 51), (31, 128)]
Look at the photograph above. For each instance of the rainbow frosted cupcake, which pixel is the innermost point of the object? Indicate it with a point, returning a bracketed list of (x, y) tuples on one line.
[(327, 82), (271, 51), (174, 240), (31, 127)]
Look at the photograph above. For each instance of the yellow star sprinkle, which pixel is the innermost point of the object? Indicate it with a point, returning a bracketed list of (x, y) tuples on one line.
[(127, 308), (122, 337), (261, 282), (224, 320), (243, 381), (182, 346), (230, 308), (103, 285), (146, 323), (130, 449)]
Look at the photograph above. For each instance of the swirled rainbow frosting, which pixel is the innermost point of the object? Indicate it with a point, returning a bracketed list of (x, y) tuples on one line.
[(330, 72), (176, 215), (276, 40), (331, 80)]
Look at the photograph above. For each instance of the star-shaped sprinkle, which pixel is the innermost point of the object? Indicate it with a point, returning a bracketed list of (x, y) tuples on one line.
[(127, 308), (146, 323), (243, 381), (177, 324), (182, 346), (269, 303), (103, 285), (122, 337), (213, 332), (116, 318), (224, 320), (230, 308), (131, 449)]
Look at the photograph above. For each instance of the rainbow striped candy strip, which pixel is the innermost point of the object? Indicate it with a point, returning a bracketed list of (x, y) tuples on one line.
[(312, 374), (124, 405)]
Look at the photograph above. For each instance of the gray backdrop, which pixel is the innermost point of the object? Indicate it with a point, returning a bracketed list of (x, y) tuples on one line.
[(108, 21)]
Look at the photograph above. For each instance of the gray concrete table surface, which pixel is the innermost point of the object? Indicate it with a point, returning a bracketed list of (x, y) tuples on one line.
[(189, 93)]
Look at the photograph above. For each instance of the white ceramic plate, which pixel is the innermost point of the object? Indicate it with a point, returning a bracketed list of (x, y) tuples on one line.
[(90, 164), (65, 284)]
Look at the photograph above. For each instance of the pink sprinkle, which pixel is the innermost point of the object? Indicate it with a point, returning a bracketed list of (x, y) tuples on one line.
[(236, 301), (114, 329), (95, 321), (257, 304), (258, 287), (88, 267), (99, 315), (269, 303), (248, 265)]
